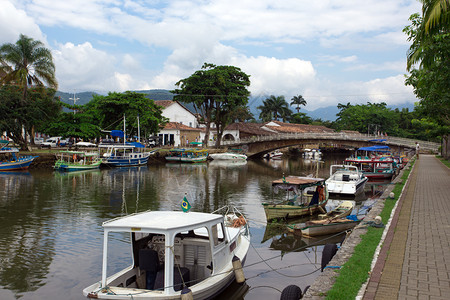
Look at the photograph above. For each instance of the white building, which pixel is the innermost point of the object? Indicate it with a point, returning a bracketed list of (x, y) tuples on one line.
[(176, 112)]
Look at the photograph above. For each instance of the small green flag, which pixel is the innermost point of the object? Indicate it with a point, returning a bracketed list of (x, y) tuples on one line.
[(185, 205)]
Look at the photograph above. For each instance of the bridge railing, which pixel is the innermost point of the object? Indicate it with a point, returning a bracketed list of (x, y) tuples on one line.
[(404, 142)]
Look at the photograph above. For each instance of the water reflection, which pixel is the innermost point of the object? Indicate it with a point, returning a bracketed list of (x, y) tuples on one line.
[(51, 238)]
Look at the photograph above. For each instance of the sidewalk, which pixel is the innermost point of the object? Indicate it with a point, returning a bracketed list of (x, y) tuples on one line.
[(414, 262)]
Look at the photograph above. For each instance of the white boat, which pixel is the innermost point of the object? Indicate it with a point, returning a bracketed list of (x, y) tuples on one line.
[(277, 154), (171, 250), (346, 180), (312, 153), (228, 156)]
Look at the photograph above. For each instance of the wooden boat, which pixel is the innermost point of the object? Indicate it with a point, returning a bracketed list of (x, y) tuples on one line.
[(69, 161), (124, 155), (341, 211), (314, 229), (187, 155), (375, 164), (172, 249), (345, 180), (10, 160), (301, 204)]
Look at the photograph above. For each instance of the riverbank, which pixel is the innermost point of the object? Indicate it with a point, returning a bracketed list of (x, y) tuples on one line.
[(47, 157)]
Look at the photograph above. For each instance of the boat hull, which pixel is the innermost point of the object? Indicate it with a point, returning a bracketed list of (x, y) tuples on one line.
[(228, 156), (126, 162), (282, 211), (346, 188), (325, 229), (64, 167), (21, 164)]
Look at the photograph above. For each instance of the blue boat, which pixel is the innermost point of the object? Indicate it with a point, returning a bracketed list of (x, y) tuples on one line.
[(124, 155), (10, 160)]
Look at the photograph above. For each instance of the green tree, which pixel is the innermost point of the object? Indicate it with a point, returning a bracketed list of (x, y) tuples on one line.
[(68, 124), (15, 114), (361, 116), (298, 100), (107, 112), (216, 93), (431, 80), (273, 108), (300, 118), (27, 63)]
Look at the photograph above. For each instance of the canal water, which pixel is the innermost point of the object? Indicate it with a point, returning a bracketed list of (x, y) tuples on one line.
[(51, 234)]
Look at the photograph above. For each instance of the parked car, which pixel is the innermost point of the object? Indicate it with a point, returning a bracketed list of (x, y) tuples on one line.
[(53, 142)]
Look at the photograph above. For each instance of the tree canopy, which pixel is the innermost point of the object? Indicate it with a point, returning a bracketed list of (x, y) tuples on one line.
[(27, 62), (216, 92), (273, 108), (40, 107), (107, 112), (430, 51)]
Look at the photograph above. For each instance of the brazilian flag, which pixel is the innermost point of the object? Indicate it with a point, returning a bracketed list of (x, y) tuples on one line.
[(185, 205)]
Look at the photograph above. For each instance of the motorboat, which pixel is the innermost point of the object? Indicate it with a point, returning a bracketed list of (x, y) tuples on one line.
[(312, 153), (277, 154), (345, 180), (304, 196), (69, 161), (228, 156), (10, 159), (173, 251)]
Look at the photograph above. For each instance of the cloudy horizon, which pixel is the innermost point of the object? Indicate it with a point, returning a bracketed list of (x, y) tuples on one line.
[(326, 51)]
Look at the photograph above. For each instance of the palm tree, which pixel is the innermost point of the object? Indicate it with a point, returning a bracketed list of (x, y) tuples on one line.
[(436, 14), (26, 63), (298, 100), (435, 20), (274, 108)]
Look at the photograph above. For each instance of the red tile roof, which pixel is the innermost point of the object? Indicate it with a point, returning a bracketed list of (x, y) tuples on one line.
[(179, 126)]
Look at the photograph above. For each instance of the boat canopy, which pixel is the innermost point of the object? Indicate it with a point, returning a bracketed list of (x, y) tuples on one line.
[(161, 221), (117, 133), (296, 183), (136, 144), (380, 148)]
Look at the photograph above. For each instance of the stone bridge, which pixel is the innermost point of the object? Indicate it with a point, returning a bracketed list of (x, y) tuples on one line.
[(259, 145)]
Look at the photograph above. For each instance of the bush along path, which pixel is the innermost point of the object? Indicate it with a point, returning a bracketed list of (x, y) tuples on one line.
[(350, 268)]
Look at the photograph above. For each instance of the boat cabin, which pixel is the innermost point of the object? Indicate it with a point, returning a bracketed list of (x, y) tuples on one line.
[(170, 250)]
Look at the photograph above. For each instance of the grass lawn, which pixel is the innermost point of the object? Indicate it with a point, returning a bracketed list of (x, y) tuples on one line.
[(356, 270), (444, 161)]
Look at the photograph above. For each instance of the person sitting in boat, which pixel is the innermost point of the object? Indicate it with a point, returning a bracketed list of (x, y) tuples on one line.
[(318, 196)]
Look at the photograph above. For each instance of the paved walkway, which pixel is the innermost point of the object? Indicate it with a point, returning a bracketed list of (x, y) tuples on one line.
[(414, 262)]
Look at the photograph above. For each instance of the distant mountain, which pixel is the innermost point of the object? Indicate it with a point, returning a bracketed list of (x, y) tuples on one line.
[(327, 113), (83, 97)]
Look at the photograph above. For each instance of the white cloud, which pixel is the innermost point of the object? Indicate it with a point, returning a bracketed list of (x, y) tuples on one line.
[(181, 35), (14, 21)]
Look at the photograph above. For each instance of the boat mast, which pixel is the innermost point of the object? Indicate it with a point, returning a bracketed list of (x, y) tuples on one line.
[(139, 130), (124, 130)]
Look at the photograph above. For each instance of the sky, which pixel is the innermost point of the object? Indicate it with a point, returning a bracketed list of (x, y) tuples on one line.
[(328, 51)]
